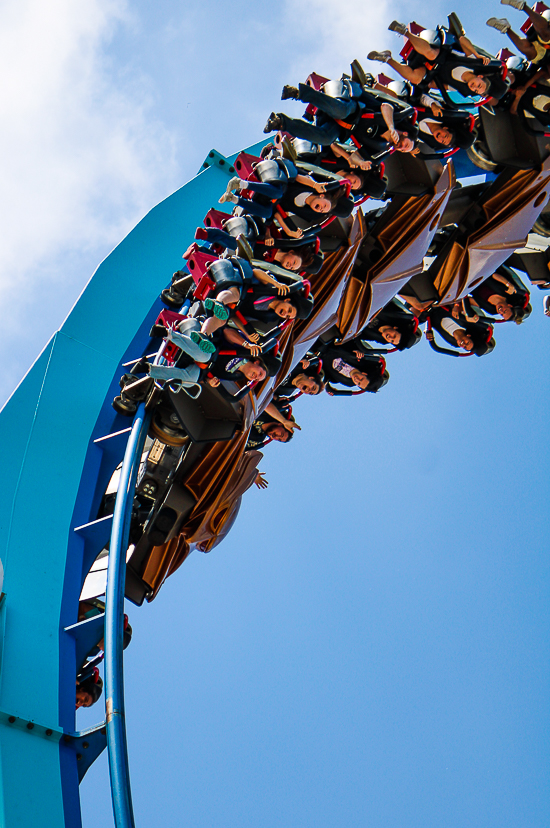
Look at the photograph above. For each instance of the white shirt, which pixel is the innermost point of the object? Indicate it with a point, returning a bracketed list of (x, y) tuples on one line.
[(450, 326), (424, 125), (459, 71), (300, 200)]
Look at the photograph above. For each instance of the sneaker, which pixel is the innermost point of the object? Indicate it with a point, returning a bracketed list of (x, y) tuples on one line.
[(516, 4), (274, 123), (290, 92), (216, 309), (228, 197), (399, 28), (206, 345), (233, 184), (499, 23), (546, 305), (381, 57), (200, 234)]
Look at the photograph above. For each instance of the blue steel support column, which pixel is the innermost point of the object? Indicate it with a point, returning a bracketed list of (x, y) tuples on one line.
[(114, 613), (50, 467)]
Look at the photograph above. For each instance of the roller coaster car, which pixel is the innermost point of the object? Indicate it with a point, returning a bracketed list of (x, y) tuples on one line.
[(195, 505), (161, 526), (483, 225), (190, 492), (328, 286), (178, 416), (394, 248), (161, 505), (504, 141), (335, 235)]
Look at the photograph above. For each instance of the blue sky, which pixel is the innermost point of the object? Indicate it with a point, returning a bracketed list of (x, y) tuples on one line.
[(369, 646)]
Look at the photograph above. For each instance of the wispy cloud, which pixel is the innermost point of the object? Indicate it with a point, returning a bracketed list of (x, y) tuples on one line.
[(333, 34), (80, 161)]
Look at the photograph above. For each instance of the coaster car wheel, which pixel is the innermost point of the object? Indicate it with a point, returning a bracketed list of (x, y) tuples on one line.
[(124, 406), (479, 155), (153, 398), (166, 427), (171, 300), (542, 226), (175, 295), (134, 391), (125, 378)]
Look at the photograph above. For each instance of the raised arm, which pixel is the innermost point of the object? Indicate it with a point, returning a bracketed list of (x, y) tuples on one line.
[(386, 110), (352, 156), (510, 288), (308, 181), (433, 344), (267, 279), (293, 234), (274, 412), (235, 337), (470, 50)]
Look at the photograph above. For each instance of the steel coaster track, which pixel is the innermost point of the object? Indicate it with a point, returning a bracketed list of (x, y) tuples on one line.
[(114, 614)]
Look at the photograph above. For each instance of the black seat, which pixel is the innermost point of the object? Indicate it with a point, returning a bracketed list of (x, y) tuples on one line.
[(509, 143), (207, 418), (409, 175)]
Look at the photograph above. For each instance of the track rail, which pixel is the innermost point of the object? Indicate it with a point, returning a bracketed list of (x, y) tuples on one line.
[(114, 613)]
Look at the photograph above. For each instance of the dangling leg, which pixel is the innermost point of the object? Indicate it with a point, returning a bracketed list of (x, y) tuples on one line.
[(324, 134), (167, 372), (229, 296), (427, 50), (525, 46), (333, 107), (540, 23), (273, 191), (235, 184), (213, 235), (191, 340), (501, 24), (248, 205), (414, 76)]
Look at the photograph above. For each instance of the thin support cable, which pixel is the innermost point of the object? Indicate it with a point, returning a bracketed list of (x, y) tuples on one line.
[(114, 614)]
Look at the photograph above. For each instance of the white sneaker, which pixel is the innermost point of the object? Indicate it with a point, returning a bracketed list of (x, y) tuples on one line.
[(233, 184), (499, 23), (516, 4), (228, 197), (397, 27), (381, 57)]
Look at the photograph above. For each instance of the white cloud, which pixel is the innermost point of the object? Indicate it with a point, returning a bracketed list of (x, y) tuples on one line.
[(80, 161), (336, 33)]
